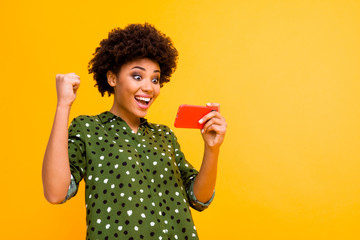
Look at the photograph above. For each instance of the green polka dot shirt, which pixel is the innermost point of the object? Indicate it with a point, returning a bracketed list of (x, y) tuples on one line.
[(137, 185)]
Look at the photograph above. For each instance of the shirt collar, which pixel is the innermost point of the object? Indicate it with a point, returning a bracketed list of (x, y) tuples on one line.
[(108, 116)]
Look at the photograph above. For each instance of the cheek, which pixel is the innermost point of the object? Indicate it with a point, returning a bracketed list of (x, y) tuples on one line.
[(129, 89), (157, 91)]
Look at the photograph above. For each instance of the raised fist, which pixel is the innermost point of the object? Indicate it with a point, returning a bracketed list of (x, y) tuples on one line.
[(66, 87)]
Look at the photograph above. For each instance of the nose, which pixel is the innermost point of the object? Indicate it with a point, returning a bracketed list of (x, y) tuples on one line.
[(147, 86)]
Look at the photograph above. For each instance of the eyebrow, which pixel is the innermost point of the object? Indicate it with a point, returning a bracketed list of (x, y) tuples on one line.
[(141, 68)]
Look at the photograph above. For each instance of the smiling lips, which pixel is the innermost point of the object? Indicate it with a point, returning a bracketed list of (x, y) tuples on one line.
[(143, 102)]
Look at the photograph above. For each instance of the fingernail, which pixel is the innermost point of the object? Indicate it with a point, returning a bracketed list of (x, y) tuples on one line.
[(201, 121), (202, 130), (208, 104)]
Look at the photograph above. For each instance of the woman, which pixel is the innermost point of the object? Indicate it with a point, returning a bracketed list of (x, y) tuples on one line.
[(138, 183)]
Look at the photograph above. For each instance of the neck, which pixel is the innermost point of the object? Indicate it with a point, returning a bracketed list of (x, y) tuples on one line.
[(132, 121)]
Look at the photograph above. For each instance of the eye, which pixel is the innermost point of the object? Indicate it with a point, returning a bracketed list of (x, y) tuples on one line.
[(155, 80), (137, 77)]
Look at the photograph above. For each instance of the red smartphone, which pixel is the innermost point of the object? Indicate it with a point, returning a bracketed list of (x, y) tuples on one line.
[(188, 116)]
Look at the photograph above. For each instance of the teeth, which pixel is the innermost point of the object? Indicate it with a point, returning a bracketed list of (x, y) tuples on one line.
[(143, 99)]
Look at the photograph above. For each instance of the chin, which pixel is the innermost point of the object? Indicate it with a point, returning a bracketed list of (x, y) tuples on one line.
[(141, 114)]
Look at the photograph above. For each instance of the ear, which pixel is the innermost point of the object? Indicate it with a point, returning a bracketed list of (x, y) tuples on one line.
[(111, 78)]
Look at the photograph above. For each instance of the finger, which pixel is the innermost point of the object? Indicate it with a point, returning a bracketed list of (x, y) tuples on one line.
[(214, 105), (214, 128), (213, 114), (76, 87), (206, 128), (70, 75), (214, 120), (218, 123), (73, 76), (75, 81), (76, 84)]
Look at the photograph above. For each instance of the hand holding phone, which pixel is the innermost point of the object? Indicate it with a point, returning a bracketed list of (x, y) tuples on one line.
[(188, 116)]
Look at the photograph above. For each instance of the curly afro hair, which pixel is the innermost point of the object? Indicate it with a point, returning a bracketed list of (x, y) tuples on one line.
[(135, 41)]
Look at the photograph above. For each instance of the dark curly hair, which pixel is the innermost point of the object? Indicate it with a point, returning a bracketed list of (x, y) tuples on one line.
[(133, 42)]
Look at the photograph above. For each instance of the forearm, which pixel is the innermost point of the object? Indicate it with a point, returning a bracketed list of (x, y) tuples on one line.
[(204, 184), (56, 170)]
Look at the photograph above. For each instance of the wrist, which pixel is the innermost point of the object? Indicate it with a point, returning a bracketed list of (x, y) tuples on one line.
[(212, 149), (61, 107)]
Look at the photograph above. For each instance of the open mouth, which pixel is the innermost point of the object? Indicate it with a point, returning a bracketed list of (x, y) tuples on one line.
[(143, 100)]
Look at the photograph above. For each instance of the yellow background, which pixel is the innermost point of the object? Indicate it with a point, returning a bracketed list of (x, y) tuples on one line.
[(285, 72)]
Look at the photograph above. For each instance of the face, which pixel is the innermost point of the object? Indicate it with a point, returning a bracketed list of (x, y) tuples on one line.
[(135, 88)]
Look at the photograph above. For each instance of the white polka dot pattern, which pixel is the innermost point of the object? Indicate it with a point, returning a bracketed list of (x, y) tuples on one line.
[(137, 185)]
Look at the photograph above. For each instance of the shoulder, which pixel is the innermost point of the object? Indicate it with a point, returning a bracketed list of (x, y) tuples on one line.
[(82, 118), (84, 121), (162, 131), (161, 128)]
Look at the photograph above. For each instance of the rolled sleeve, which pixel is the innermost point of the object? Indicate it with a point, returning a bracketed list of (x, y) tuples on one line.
[(72, 189), (77, 160), (188, 175), (194, 203)]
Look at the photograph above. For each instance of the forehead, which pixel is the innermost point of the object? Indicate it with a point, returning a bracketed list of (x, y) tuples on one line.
[(144, 64)]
